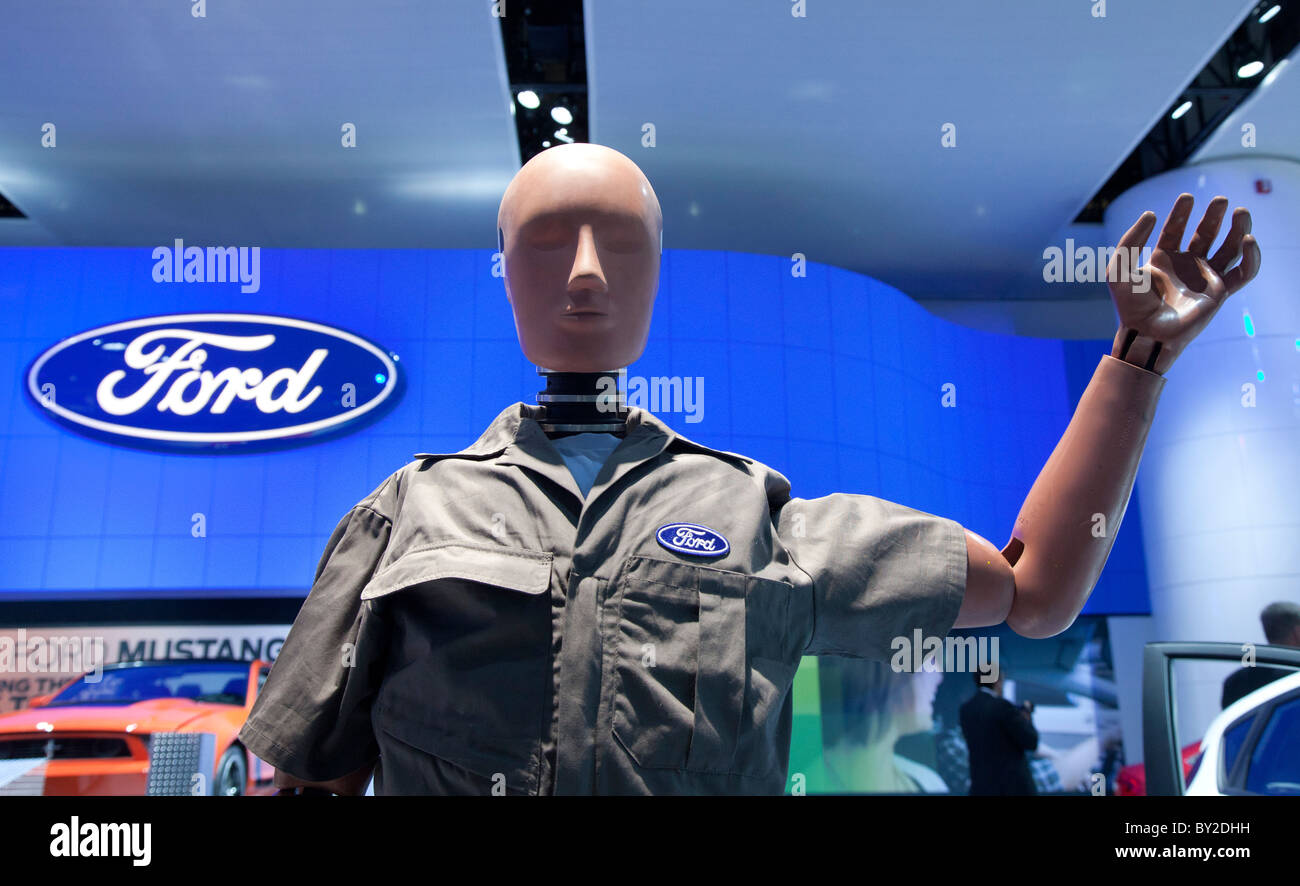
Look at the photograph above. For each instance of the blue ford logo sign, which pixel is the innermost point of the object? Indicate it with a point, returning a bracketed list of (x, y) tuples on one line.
[(692, 538), (213, 381)]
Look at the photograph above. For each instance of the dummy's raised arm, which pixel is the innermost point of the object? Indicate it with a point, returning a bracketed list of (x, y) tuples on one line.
[(1040, 581)]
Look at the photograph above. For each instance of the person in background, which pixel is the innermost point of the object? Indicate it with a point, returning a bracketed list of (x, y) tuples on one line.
[(952, 758), (1281, 623), (997, 735), (878, 707)]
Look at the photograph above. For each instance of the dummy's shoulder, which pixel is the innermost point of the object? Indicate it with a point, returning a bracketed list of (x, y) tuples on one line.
[(389, 497), (773, 482), (685, 444), (384, 500)]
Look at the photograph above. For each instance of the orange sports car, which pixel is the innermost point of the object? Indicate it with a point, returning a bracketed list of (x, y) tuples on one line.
[(93, 736)]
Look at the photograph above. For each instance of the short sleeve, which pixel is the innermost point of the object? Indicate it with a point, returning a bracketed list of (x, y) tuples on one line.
[(312, 717), (879, 571)]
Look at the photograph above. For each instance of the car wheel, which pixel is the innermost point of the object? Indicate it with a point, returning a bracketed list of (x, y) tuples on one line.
[(232, 773)]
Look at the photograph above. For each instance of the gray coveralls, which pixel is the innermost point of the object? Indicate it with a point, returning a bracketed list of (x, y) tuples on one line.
[(475, 624)]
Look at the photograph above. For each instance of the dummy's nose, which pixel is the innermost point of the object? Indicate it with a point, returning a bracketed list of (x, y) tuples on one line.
[(587, 273)]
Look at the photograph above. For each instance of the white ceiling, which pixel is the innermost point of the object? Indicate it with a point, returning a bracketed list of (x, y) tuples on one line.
[(227, 129), (775, 134), (822, 135)]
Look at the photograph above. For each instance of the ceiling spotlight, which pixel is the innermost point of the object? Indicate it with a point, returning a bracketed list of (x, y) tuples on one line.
[(1249, 70), (528, 99), (1182, 109), (1268, 15), (561, 115)]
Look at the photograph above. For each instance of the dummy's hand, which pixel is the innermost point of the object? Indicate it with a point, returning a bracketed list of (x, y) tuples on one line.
[(1166, 303), (349, 785)]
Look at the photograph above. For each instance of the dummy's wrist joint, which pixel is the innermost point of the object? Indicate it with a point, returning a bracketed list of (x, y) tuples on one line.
[(1130, 336)]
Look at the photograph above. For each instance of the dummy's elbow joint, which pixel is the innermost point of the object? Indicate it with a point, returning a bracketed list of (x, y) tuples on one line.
[(1036, 622), (1013, 550)]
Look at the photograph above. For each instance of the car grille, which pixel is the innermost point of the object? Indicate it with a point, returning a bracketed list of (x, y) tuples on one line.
[(63, 748)]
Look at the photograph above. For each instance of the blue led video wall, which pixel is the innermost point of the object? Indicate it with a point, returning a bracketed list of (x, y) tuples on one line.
[(838, 381)]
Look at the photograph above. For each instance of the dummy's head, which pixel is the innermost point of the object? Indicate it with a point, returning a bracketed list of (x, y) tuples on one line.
[(581, 234)]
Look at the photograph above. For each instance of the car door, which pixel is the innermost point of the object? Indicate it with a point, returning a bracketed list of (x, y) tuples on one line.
[(1262, 730)]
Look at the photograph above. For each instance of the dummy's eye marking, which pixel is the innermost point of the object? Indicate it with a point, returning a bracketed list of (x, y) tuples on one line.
[(693, 539)]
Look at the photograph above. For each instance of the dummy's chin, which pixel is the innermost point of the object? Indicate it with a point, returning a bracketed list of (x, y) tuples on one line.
[(583, 359), (584, 346), (581, 364)]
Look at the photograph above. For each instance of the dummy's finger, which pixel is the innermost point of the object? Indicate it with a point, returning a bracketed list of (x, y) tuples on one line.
[(1249, 267), (1208, 229), (1171, 235), (1230, 251), (1141, 230), (1131, 244)]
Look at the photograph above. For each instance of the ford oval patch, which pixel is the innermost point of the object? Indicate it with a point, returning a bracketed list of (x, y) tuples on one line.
[(213, 382), (692, 538)]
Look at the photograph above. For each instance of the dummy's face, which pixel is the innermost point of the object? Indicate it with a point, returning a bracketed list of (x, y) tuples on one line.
[(581, 260)]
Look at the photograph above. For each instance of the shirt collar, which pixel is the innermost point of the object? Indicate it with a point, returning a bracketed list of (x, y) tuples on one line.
[(515, 437), (516, 428)]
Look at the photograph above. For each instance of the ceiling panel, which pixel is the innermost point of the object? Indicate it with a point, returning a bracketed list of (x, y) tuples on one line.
[(227, 129), (821, 135), (775, 134)]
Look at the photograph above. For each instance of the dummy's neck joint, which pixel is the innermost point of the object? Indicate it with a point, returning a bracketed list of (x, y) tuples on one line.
[(583, 402)]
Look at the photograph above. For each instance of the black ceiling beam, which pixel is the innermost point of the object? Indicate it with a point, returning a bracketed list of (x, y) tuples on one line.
[(546, 52), (8, 210), (1215, 92)]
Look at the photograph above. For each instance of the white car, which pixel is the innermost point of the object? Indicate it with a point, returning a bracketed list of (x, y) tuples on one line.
[(1253, 746)]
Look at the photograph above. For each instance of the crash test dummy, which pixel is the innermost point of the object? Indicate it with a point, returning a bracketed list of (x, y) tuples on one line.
[(585, 601)]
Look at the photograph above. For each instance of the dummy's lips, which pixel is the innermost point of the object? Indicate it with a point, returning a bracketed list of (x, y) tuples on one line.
[(585, 312)]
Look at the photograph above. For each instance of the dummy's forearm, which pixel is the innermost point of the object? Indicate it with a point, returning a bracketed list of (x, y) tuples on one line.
[(1067, 524)]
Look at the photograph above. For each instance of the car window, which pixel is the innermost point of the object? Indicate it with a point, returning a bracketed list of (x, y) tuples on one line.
[(203, 681), (1233, 739), (1274, 764)]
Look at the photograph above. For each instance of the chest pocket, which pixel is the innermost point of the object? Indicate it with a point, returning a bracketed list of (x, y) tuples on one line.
[(466, 668), (704, 668)]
